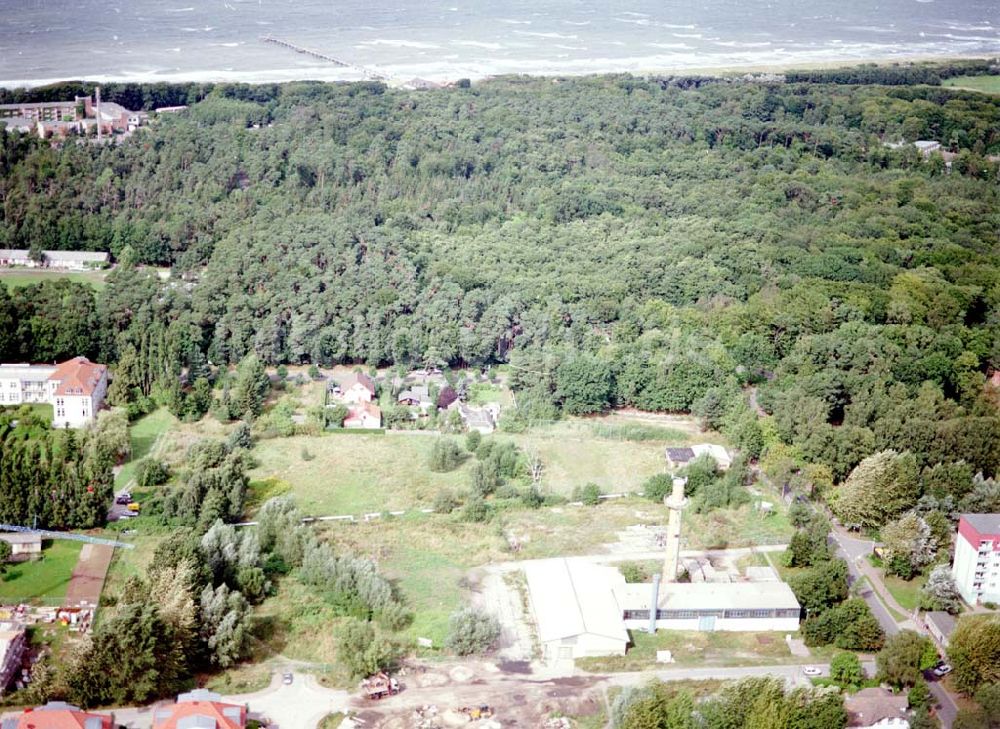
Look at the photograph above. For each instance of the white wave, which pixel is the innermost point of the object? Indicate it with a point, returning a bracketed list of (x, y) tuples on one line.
[(569, 48), (686, 35), (738, 44), (952, 36), (191, 30), (968, 26), (556, 36), (228, 45), (178, 10), (690, 26), (175, 50), (633, 21), (670, 46), (392, 43), (479, 44), (573, 22), (508, 21), (871, 29), (636, 15)]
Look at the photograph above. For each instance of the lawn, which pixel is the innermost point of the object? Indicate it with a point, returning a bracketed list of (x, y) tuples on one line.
[(42, 410), (696, 648), (906, 593), (44, 580), (143, 435), (25, 277), (984, 84)]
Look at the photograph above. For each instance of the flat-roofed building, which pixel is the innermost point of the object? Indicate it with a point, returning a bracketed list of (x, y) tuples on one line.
[(976, 567), (23, 545), (66, 260)]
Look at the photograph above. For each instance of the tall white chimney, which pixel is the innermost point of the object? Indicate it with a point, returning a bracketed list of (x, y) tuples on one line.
[(675, 503), (97, 104)]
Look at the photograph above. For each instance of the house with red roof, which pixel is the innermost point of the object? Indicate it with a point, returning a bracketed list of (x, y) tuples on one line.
[(58, 715), (357, 388), (75, 389), (200, 709), (364, 415)]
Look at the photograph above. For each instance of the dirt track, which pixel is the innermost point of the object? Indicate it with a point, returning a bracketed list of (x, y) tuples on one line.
[(88, 576)]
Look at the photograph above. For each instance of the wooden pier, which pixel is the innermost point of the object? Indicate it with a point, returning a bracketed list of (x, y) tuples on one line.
[(323, 57)]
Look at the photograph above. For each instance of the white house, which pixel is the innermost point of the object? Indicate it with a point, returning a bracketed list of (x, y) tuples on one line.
[(357, 388), (23, 545), (574, 609), (977, 558), (75, 389)]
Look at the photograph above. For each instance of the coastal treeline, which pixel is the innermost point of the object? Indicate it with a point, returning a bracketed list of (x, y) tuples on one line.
[(618, 241)]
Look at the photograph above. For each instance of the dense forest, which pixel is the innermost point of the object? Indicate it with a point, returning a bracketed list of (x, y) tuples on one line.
[(617, 240)]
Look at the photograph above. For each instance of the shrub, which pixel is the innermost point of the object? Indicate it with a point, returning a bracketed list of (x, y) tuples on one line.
[(845, 669), (634, 572), (476, 510), (151, 472), (445, 455), (472, 440), (472, 631), (589, 494), (362, 650), (314, 372), (658, 487), (445, 502)]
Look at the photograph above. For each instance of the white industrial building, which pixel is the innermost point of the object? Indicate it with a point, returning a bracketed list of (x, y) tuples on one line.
[(65, 260), (575, 608), (585, 609)]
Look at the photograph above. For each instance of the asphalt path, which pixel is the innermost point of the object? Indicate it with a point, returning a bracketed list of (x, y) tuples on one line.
[(852, 551)]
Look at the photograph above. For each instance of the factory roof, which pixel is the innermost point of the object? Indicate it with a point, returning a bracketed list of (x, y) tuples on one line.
[(573, 597), (710, 595)]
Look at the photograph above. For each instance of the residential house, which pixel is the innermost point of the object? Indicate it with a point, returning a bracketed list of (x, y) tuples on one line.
[(357, 388), (940, 625), (12, 646), (363, 415), (976, 567), (927, 147), (877, 708), (200, 709), (58, 715), (678, 458), (484, 419), (23, 545), (75, 389)]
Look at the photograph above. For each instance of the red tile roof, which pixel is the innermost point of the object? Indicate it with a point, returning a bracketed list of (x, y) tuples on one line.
[(78, 376), (59, 715), (234, 718)]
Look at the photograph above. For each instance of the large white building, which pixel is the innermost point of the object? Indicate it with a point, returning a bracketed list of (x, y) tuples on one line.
[(75, 389), (66, 260), (977, 558)]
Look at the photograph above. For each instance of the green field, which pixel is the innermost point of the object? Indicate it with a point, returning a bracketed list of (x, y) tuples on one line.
[(351, 473), (984, 84), (906, 593), (43, 580), (143, 435), (17, 278)]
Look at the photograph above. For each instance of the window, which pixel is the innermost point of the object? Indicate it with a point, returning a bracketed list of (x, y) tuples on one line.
[(636, 615)]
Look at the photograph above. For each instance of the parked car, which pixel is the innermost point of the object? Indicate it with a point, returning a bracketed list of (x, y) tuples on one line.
[(941, 671), (287, 677), (811, 671), (133, 507), (123, 499)]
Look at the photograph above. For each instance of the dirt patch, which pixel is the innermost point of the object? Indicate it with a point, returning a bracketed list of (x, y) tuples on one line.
[(88, 576)]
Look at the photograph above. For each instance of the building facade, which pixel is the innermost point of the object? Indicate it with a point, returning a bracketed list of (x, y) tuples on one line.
[(977, 558), (75, 389), (63, 260)]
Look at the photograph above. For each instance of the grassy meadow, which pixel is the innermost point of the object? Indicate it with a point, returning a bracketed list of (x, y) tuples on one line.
[(17, 278), (43, 580), (983, 84)]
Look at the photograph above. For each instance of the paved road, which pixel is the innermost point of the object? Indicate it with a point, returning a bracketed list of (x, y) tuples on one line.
[(793, 673), (854, 551)]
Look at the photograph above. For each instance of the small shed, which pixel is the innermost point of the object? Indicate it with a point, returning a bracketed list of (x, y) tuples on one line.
[(23, 545), (679, 457)]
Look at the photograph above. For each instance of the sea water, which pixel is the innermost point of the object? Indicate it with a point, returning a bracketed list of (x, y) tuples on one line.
[(169, 40)]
